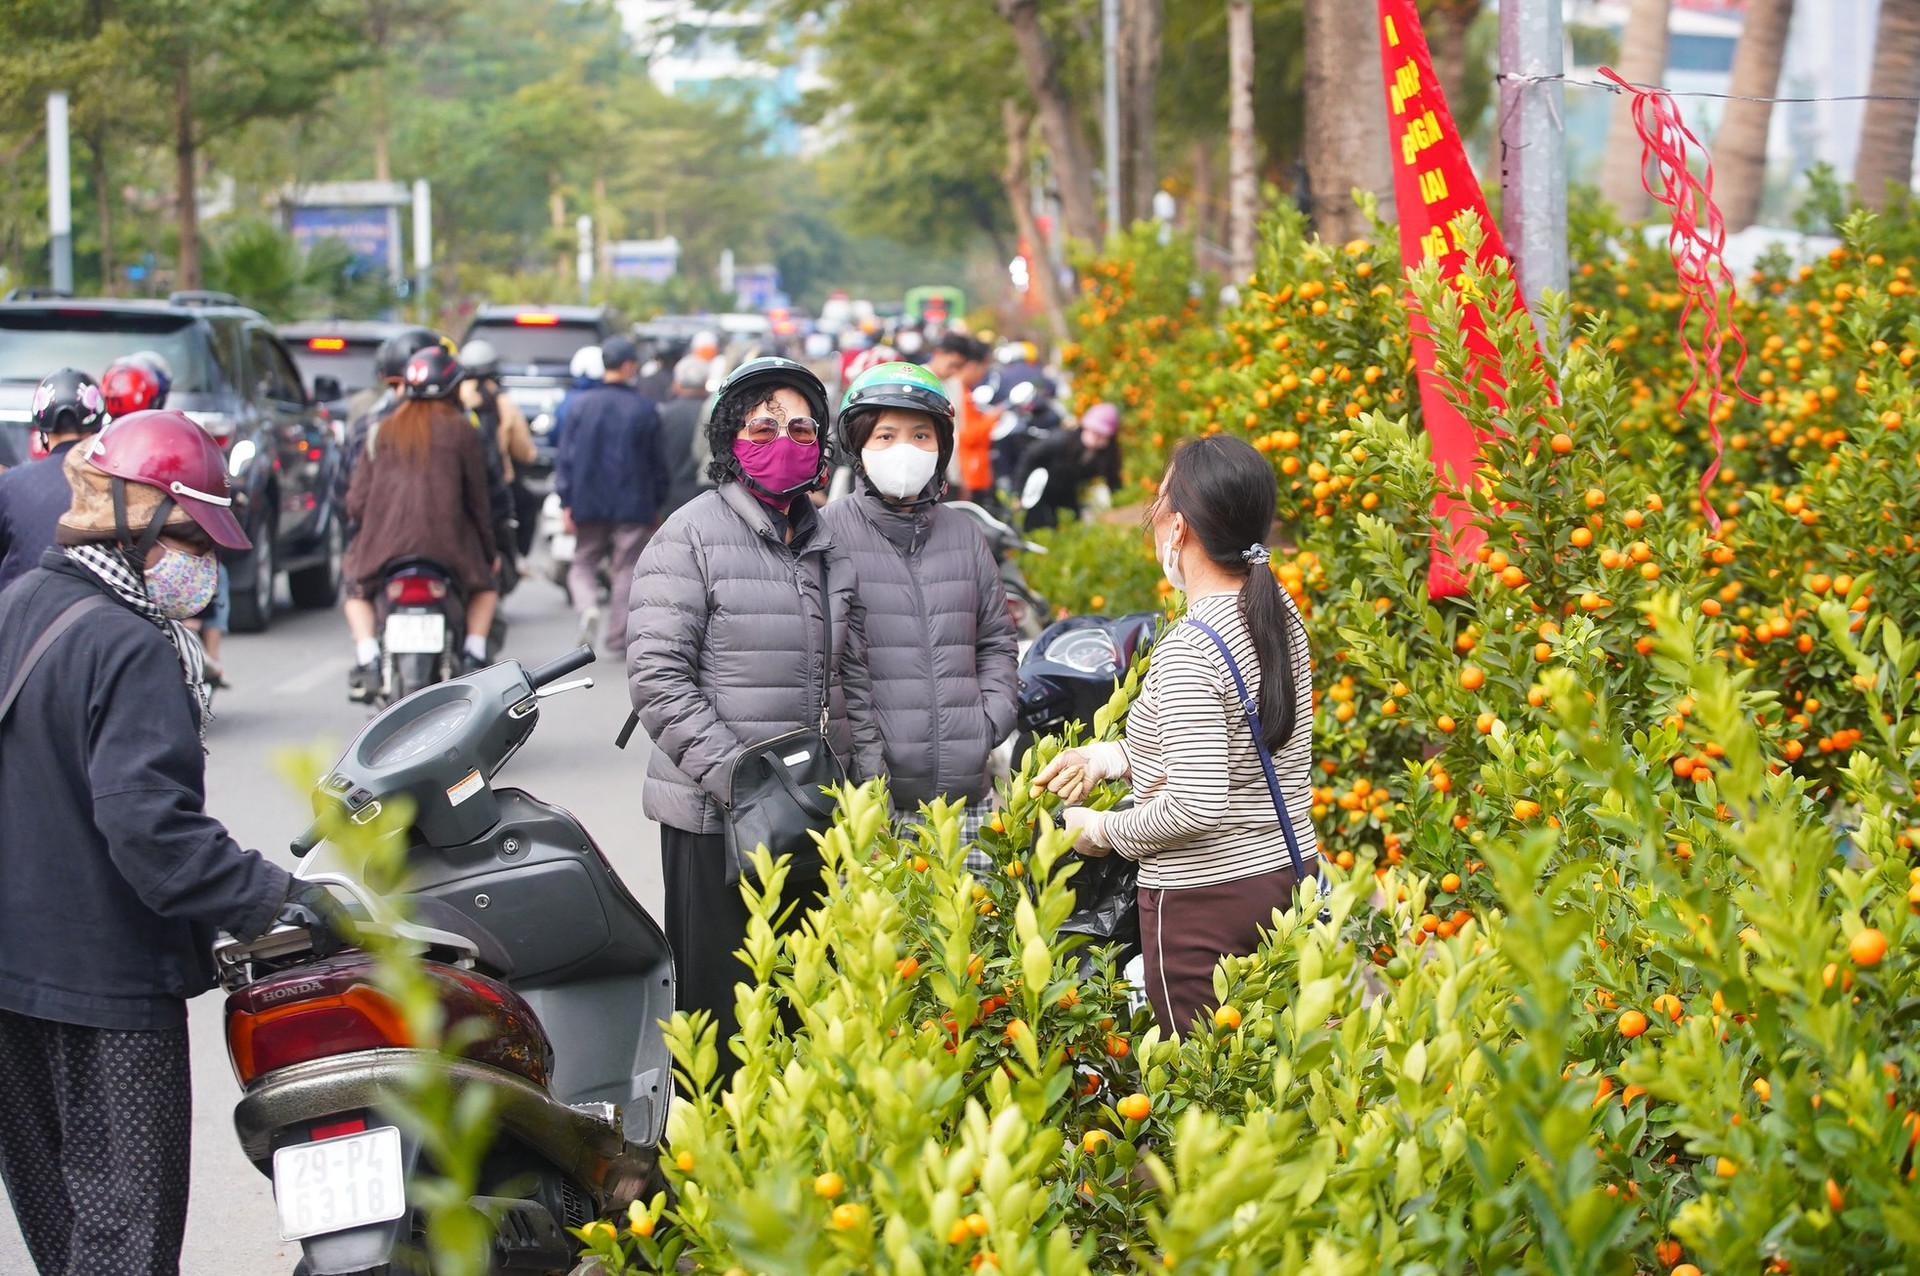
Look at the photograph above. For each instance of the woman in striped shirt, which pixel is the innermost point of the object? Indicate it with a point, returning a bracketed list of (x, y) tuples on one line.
[(1215, 859)]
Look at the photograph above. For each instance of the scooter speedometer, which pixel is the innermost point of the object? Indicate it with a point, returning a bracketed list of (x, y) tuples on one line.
[(1085, 651)]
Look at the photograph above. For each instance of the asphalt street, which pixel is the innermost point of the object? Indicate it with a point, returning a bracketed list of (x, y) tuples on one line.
[(289, 693)]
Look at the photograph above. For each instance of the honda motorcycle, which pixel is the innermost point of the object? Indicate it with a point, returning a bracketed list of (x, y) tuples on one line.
[(1067, 674), (421, 618), (544, 964)]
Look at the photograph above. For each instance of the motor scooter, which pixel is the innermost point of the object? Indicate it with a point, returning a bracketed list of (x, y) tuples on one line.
[(1067, 674), (525, 932), (1028, 609), (420, 615)]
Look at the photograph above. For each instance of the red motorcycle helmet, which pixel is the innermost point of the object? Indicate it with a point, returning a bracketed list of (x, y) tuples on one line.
[(131, 387), (168, 451)]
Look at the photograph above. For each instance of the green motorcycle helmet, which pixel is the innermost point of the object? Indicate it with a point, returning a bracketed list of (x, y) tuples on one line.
[(907, 386)]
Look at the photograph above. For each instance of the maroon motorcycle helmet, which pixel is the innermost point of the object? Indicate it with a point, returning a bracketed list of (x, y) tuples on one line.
[(169, 452)]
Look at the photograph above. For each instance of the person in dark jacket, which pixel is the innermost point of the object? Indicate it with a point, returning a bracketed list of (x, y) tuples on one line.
[(930, 619), (738, 635), (612, 476), (681, 419), (67, 407), (1054, 470), (113, 878), (420, 491)]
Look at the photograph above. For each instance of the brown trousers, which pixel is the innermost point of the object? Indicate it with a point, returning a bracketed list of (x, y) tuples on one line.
[(1185, 933)]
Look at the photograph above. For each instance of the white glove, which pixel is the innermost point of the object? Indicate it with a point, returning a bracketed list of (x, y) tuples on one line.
[(1073, 772), (1036, 488), (1089, 828)]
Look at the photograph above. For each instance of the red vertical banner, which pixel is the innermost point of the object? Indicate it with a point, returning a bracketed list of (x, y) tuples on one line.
[(1433, 183)]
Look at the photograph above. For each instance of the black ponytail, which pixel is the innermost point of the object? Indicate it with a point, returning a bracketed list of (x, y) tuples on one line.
[(1227, 493)]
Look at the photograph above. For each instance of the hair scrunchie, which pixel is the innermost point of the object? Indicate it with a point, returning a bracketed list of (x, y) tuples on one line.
[(1255, 554)]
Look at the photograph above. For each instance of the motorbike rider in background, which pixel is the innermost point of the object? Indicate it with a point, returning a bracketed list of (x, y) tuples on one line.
[(1055, 470), (502, 420), (390, 366), (67, 407), (420, 490), (102, 943)]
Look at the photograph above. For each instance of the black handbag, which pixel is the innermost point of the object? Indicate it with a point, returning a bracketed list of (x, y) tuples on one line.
[(775, 788), (776, 799)]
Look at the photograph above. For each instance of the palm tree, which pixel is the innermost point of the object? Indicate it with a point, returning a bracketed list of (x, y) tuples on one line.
[(1885, 162), (1740, 147), (1643, 60)]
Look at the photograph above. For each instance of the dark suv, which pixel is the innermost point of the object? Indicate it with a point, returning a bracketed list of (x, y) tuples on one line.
[(536, 345), (340, 350), (234, 376)]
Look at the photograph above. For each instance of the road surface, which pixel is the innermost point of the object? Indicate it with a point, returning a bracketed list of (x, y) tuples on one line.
[(290, 691)]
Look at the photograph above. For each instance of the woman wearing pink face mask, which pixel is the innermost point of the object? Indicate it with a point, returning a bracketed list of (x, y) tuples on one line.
[(738, 634)]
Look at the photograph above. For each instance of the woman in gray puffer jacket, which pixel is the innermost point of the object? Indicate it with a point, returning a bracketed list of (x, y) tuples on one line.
[(733, 602), (930, 619)]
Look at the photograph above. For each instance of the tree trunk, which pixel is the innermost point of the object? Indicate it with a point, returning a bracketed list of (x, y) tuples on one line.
[(186, 161), (377, 34), (557, 211), (1142, 29), (1014, 178), (1885, 163), (1448, 25), (1740, 147), (1345, 139), (1059, 119), (1243, 182), (103, 211), (1643, 60)]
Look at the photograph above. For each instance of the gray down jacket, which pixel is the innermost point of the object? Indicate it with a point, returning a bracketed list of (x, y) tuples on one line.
[(939, 650), (724, 647)]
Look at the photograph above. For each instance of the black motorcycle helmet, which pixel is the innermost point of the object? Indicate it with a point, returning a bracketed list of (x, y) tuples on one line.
[(390, 360), (745, 388), (432, 373), (68, 402)]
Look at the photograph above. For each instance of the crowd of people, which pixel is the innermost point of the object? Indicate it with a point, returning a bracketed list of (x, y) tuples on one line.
[(746, 605)]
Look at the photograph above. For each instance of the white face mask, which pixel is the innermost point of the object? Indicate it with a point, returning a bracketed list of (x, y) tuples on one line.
[(901, 472), (1170, 565)]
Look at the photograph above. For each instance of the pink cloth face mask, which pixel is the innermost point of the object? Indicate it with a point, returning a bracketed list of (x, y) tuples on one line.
[(782, 467)]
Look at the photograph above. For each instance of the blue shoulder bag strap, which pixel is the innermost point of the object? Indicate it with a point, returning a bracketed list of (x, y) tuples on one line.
[(1252, 709)]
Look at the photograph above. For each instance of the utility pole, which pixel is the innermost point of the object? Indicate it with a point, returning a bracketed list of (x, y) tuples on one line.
[(1110, 107), (422, 247), (59, 193), (1243, 181), (1533, 162), (583, 256)]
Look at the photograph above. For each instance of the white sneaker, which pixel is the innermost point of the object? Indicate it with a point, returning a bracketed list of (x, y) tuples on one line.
[(589, 625)]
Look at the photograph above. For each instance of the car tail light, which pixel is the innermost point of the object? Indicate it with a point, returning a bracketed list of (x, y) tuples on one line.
[(537, 320), (415, 591), (296, 1031), (326, 343)]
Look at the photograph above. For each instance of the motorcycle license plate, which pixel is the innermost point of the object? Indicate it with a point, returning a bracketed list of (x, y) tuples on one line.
[(331, 1185), (416, 633)]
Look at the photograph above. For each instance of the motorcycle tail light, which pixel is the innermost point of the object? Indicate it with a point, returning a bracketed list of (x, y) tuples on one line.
[(296, 1031), (332, 1008), (416, 591)]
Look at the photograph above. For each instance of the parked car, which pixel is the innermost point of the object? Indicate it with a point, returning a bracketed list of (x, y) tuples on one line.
[(536, 345), (340, 349), (233, 375)]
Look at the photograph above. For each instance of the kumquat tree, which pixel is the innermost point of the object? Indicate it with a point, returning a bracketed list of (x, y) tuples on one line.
[(1618, 967)]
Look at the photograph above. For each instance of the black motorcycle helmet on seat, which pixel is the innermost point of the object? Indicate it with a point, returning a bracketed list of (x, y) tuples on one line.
[(68, 402), (390, 360), (746, 388)]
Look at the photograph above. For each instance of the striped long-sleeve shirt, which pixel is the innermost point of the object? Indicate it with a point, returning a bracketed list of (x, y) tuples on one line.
[(1202, 812)]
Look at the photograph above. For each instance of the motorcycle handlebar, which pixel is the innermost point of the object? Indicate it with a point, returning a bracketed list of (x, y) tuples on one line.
[(554, 670)]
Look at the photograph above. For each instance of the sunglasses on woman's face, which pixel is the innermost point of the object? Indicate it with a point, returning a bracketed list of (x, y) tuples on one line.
[(765, 429)]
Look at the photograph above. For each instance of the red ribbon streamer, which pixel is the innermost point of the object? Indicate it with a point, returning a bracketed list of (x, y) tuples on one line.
[(1699, 256)]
